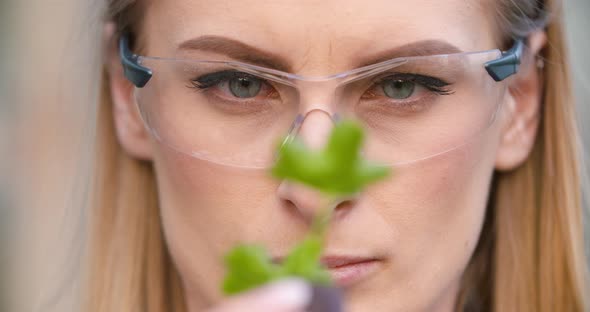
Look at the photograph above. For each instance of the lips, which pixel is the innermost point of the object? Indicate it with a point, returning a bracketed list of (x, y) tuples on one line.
[(347, 271), (334, 262)]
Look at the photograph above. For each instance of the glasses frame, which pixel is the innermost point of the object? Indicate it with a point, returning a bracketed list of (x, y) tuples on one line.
[(499, 69), (502, 65)]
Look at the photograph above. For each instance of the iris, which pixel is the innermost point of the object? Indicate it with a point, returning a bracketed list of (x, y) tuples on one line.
[(398, 89), (244, 87)]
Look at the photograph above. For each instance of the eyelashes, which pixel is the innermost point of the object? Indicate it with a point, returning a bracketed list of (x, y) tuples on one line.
[(209, 80), (237, 85), (234, 85), (433, 84)]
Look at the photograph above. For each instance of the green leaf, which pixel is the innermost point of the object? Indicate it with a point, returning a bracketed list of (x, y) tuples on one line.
[(337, 170), (304, 261), (344, 145), (248, 267)]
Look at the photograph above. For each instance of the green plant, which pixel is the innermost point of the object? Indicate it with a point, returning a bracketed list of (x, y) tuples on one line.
[(336, 171)]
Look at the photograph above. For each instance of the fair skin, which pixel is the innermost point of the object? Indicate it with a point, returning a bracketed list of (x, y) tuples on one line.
[(422, 225)]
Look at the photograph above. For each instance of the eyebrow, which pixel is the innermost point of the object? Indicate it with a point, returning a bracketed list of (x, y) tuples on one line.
[(237, 50), (417, 48), (248, 54)]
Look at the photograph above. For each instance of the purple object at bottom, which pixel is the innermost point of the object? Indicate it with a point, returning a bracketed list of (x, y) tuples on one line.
[(325, 299)]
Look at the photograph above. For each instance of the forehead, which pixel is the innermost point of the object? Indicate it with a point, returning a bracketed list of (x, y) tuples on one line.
[(315, 31)]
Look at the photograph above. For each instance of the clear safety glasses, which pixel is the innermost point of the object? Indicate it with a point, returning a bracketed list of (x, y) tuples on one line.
[(236, 114)]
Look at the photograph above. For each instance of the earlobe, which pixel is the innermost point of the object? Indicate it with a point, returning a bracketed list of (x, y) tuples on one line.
[(522, 109), (130, 130)]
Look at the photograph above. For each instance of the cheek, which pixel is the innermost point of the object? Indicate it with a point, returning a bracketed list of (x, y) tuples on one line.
[(205, 210), (434, 210)]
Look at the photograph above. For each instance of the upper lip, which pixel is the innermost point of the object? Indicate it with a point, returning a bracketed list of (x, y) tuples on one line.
[(334, 261)]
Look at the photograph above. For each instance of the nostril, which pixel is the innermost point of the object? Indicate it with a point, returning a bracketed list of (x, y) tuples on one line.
[(342, 209), (292, 209), (307, 203), (305, 200)]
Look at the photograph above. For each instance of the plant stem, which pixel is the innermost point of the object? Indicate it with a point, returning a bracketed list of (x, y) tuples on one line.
[(321, 221)]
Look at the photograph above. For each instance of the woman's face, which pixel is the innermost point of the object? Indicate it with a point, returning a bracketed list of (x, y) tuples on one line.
[(419, 227)]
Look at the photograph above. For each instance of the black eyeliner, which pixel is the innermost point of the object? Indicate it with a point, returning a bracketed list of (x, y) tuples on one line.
[(430, 83), (210, 80)]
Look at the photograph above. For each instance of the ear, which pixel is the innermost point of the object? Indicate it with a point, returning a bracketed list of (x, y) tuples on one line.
[(523, 107), (131, 133)]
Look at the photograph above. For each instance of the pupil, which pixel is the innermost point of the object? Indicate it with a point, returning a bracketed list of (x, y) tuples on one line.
[(245, 83)]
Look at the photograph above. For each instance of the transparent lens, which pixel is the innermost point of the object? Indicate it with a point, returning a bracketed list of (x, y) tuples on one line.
[(423, 107), (237, 115), (216, 112)]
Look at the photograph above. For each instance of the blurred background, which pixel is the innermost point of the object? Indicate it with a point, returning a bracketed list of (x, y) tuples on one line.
[(48, 71)]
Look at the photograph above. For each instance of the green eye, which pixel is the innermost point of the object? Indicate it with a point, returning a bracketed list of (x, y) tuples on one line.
[(398, 89), (245, 87)]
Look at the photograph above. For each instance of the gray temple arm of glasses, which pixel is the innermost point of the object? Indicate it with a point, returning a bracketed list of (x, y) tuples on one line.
[(136, 73), (499, 69), (508, 63)]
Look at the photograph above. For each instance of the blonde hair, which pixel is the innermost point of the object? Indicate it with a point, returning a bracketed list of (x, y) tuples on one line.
[(530, 256)]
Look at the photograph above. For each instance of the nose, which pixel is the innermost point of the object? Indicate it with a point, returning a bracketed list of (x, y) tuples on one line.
[(314, 132)]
